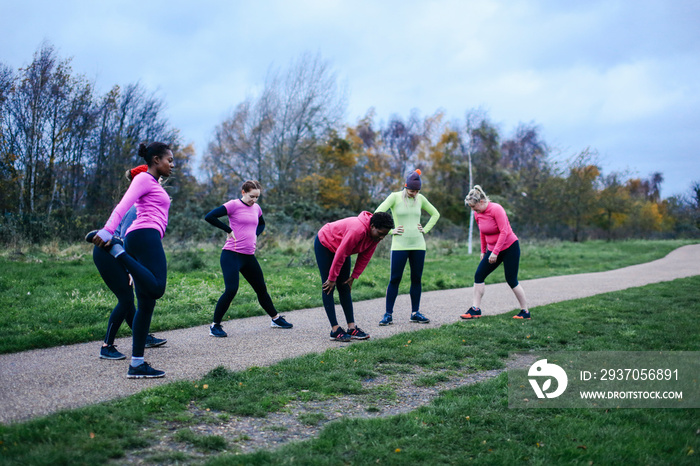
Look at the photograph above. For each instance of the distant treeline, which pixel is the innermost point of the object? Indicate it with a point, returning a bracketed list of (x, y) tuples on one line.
[(64, 150)]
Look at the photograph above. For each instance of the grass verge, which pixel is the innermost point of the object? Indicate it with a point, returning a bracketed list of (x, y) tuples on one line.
[(468, 423)]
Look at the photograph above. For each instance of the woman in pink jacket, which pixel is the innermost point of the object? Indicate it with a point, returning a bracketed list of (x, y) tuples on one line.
[(498, 245), (333, 246)]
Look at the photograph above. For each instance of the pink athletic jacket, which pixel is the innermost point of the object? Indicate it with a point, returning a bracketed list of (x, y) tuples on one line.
[(346, 237), (243, 220), (152, 205), (494, 228)]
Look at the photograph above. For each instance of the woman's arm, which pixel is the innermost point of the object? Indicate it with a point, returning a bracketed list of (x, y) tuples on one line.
[(261, 226), (385, 206), (432, 211), (213, 218)]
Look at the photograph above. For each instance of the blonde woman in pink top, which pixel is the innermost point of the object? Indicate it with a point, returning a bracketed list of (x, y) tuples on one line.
[(498, 245)]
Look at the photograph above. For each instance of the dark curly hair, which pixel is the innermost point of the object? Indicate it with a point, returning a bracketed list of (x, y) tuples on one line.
[(382, 221)]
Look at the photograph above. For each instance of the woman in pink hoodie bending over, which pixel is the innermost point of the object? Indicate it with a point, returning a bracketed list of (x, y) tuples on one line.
[(334, 245)]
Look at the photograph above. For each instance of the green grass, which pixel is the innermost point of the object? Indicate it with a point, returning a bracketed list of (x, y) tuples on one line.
[(468, 424), (54, 296)]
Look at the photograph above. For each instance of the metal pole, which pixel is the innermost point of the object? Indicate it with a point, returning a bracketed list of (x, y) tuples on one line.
[(471, 216)]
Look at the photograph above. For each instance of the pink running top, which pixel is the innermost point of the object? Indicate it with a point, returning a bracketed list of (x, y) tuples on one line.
[(243, 220), (346, 237), (494, 228), (152, 206)]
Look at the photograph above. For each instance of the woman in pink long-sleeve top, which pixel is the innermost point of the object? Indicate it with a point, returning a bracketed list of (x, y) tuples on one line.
[(141, 251), (498, 245), (333, 246)]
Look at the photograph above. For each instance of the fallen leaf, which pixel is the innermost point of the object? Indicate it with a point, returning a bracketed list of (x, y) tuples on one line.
[(205, 386), (92, 435), (398, 450), (582, 447)]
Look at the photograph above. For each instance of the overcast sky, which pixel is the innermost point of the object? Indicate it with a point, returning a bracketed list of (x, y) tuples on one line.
[(619, 76)]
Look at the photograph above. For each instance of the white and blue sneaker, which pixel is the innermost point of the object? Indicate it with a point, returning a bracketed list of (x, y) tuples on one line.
[(216, 330), (279, 322), (419, 318), (386, 320), (143, 371)]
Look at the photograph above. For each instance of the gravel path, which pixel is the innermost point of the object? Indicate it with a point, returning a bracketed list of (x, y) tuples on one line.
[(39, 382)]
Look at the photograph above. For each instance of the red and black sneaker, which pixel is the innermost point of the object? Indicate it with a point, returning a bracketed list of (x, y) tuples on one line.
[(357, 334), (523, 314), (340, 335), (472, 313)]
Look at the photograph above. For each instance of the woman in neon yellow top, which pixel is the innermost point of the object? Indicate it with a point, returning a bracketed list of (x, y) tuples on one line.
[(407, 243)]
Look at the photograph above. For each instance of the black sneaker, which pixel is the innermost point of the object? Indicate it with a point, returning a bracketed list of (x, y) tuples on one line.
[(419, 318), (340, 335), (152, 341), (472, 313), (217, 330), (386, 320), (110, 352), (90, 236), (144, 371), (357, 334), (523, 314), (279, 322)]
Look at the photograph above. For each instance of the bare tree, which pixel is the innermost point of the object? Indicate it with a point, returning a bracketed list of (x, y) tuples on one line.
[(125, 118), (401, 140), (275, 136)]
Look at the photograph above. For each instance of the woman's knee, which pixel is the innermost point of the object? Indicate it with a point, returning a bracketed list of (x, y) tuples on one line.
[(396, 281)]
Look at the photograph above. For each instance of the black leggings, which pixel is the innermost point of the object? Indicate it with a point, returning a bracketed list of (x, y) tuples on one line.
[(324, 259), (231, 264), (416, 259), (116, 278), (511, 261), (145, 259)]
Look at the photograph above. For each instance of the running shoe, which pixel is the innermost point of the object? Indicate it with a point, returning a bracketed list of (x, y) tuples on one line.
[(144, 371), (152, 341), (523, 314), (472, 313), (357, 334), (419, 318), (90, 236), (279, 322), (386, 320), (110, 352), (217, 330), (340, 335)]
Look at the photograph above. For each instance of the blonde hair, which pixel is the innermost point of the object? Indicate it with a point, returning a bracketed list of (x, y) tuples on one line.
[(475, 196)]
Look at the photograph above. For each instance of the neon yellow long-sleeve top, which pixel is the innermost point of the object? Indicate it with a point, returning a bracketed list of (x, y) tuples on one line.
[(406, 212)]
